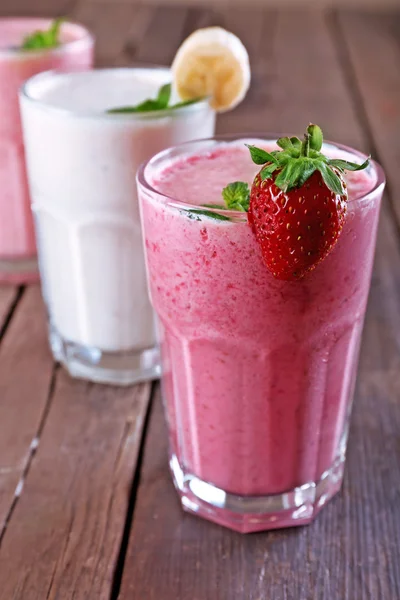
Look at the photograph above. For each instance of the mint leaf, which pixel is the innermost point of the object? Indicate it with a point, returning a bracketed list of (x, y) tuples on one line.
[(40, 40), (164, 95), (214, 206), (186, 103), (237, 196), (194, 214), (344, 165), (152, 104), (260, 156), (145, 106)]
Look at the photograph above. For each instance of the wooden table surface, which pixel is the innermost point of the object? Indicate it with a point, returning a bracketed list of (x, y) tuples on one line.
[(87, 507)]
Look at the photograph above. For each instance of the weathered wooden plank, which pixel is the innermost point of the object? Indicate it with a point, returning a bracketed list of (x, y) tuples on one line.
[(8, 298), (163, 36), (65, 534), (372, 42), (39, 8), (353, 549), (111, 25), (64, 537), (25, 375)]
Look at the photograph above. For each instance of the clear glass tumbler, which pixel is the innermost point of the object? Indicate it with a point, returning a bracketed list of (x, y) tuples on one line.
[(18, 263), (82, 164), (258, 373)]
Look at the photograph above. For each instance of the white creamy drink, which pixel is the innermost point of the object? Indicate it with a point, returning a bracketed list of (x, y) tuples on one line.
[(82, 163)]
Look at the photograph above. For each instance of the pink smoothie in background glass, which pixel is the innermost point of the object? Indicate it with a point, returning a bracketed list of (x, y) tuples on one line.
[(258, 373), (17, 240)]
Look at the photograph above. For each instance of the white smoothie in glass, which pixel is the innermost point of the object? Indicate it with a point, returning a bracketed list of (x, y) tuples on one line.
[(82, 163)]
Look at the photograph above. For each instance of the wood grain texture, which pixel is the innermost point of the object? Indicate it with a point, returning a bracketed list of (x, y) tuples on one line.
[(8, 297), (39, 8), (111, 25), (163, 37), (352, 551), (372, 5), (25, 375), (66, 530), (372, 43)]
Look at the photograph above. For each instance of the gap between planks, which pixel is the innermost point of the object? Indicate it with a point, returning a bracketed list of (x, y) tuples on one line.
[(343, 554)]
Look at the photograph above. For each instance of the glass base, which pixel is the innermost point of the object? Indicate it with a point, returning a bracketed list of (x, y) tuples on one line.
[(116, 368), (256, 513), (19, 270)]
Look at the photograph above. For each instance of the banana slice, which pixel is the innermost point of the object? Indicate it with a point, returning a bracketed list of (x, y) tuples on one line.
[(212, 62)]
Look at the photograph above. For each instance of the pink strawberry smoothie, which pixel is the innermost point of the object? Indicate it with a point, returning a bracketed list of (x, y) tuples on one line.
[(17, 240), (258, 373)]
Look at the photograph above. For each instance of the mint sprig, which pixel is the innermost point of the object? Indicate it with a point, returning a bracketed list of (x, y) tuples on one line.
[(161, 102), (237, 196), (41, 40), (297, 161)]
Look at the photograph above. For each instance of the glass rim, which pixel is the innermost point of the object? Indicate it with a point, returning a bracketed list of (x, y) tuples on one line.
[(125, 117), (87, 38), (266, 137)]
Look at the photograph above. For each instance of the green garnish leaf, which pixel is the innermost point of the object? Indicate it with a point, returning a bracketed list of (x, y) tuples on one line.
[(260, 156), (237, 196), (220, 206), (41, 40), (146, 106), (316, 137), (345, 165), (194, 214), (186, 103), (164, 95), (332, 181), (153, 104)]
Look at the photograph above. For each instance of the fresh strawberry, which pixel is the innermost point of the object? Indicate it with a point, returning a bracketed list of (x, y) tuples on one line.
[(298, 228), (298, 204)]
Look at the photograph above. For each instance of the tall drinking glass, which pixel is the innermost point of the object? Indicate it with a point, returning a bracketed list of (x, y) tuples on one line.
[(82, 163), (18, 263), (258, 373)]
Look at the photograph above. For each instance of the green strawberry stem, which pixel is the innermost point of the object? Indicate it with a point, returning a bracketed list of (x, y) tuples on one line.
[(297, 161)]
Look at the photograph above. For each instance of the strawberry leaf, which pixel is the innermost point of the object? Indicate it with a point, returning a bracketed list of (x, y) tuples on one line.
[(316, 137), (237, 196), (308, 167), (266, 172), (285, 179), (260, 156), (332, 181), (344, 165), (285, 143), (296, 143)]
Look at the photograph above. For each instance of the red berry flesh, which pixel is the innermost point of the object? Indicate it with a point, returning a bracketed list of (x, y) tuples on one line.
[(296, 229)]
